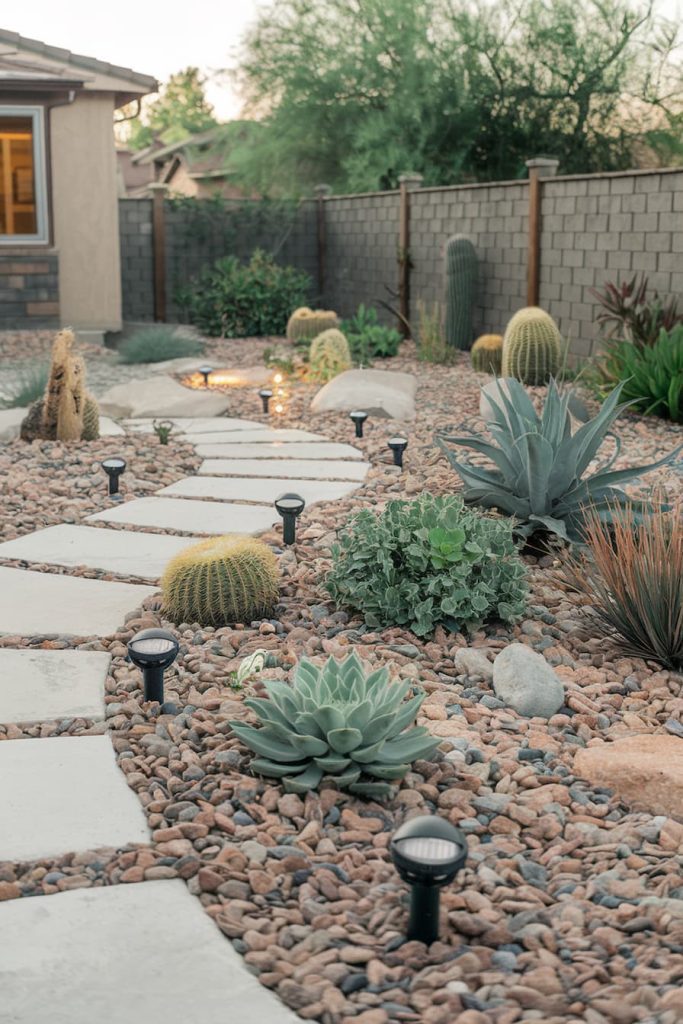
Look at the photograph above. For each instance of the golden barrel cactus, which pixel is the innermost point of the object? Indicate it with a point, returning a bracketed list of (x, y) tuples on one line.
[(305, 324), (532, 347), (487, 354), (329, 355)]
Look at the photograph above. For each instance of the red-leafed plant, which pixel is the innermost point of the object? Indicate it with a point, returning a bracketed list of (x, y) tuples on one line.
[(629, 314)]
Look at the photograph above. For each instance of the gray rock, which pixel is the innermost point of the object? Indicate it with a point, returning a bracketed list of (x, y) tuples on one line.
[(526, 682), (378, 392), (472, 662), (10, 421)]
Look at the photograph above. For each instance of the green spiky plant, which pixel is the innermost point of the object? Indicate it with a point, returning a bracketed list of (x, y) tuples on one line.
[(221, 581), (540, 474), (532, 347), (305, 324), (487, 354), (652, 374), (27, 387), (461, 289), (157, 344), (336, 722), (329, 355)]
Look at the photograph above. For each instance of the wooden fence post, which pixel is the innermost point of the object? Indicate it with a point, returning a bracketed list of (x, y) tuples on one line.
[(321, 194), (159, 191), (538, 168), (407, 183)]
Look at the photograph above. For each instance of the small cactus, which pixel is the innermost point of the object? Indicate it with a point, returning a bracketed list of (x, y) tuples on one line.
[(487, 354), (305, 324), (91, 419), (66, 412), (532, 347), (221, 581), (329, 355), (461, 285)]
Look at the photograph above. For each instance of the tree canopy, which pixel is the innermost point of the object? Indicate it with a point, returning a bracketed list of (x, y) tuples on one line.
[(354, 92), (181, 110)]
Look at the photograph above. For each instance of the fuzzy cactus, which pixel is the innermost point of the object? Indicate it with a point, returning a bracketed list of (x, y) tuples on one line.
[(305, 324), (329, 355), (461, 286), (487, 353), (91, 419), (66, 412), (221, 581), (532, 347)]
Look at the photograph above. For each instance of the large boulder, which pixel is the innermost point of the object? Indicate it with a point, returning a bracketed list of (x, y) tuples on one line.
[(524, 680), (472, 662), (161, 396), (646, 771), (377, 392)]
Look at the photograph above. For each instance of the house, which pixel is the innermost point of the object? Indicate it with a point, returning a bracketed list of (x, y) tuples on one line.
[(59, 230)]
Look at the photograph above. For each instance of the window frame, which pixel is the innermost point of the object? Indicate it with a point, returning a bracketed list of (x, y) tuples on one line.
[(37, 115)]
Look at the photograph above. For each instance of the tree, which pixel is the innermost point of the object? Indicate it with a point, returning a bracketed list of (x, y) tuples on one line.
[(353, 92), (181, 110)]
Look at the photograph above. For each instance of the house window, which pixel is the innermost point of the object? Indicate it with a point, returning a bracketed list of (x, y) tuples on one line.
[(23, 215)]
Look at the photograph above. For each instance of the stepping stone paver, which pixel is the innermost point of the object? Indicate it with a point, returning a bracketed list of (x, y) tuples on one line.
[(123, 953), (257, 489), (109, 427), (66, 794), (278, 450), (34, 603), (41, 686), (126, 552), (308, 469), (203, 518), (258, 436), (199, 425)]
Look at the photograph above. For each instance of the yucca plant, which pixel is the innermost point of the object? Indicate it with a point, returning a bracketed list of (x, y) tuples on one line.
[(652, 375), (337, 722), (632, 576), (541, 476)]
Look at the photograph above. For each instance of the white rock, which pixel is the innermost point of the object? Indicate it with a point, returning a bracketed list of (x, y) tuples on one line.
[(524, 680), (10, 422), (491, 391), (378, 392), (473, 662), (161, 397)]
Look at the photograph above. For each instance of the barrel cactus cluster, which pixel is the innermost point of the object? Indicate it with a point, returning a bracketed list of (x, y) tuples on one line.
[(487, 354), (221, 581), (66, 412), (305, 324), (532, 347), (329, 355), (461, 287)]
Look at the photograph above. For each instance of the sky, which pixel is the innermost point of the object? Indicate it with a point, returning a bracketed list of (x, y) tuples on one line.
[(161, 37)]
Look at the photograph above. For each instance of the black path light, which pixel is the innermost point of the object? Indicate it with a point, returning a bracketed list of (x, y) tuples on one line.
[(206, 372), (427, 852), (359, 417), (265, 394), (289, 506), (114, 467), (398, 445), (153, 651)]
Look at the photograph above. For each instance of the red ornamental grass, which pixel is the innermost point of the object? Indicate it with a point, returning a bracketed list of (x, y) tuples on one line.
[(633, 578)]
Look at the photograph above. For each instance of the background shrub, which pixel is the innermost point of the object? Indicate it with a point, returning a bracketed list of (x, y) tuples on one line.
[(242, 300), (630, 314), (430, 561), (368, 339), (27, 386), (156, 344), (652, 375)]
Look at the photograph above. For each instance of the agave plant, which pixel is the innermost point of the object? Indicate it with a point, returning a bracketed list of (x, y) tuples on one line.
[(334, 721), (540, 475)]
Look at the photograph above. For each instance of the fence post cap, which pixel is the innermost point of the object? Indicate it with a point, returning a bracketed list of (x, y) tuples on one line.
[(411, 179), (546, 166), (157, 186), (322, 191)]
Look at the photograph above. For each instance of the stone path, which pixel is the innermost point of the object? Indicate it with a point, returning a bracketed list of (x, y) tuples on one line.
[(109, 953)]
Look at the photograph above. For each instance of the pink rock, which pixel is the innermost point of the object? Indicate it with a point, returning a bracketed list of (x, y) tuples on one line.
[(646, 771)]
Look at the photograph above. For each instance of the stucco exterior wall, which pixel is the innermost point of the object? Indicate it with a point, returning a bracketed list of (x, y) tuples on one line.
[(85, 214)]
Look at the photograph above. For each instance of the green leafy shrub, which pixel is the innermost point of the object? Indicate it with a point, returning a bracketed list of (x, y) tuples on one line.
[(652, 375), (429, 561), (27, 387), (540, 475), (336, 722), (368, 338), (629, 314), (156, 345), (242, 300)]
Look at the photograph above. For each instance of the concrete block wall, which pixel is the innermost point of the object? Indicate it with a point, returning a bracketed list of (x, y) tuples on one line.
[(29, 289), (137, 259)]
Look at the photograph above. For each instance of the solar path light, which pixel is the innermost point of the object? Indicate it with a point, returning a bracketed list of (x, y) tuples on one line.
[(359, 417), (153, 651), (206, 372), (398, 445), (289, 506), (265, 394), (427, 852), (114, 467)]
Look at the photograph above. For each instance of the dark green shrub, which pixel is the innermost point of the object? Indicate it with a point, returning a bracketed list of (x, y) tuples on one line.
[(429, 561), (652, 375), (367, 338), (243, 300), (156, 345)]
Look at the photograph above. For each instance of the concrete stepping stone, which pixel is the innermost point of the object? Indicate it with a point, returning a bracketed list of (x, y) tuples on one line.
[(259, 436), (123, 953), (257, 489), (308, 469), (200, 425), (109, 427), (34, 603), (41, 686), (66, 794), (126, 552), (161, 397), (293, 450), (203, 518), (379, 392)]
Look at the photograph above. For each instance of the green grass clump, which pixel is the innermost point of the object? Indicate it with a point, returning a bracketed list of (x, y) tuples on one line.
[(157, 344), (27, 388)]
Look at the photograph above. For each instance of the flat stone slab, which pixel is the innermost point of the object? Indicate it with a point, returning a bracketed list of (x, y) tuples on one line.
[(378, 392), (645, 770), (303, 469), (257, 489), (198, 425), (280, 450), (109, 427), (204, 518), (10, 423), (126, 552), (66, 794), (125, 953), (33, 603), (161, 397), (41, 686), (262, 436)]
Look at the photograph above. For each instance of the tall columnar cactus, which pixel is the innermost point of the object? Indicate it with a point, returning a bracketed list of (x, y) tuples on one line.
[(487, 354), (71, 401), (532, 347), (91, 419), (221, 581), (58, 381), (461, 287), (329, 355), (66, 412), (305, 324)]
